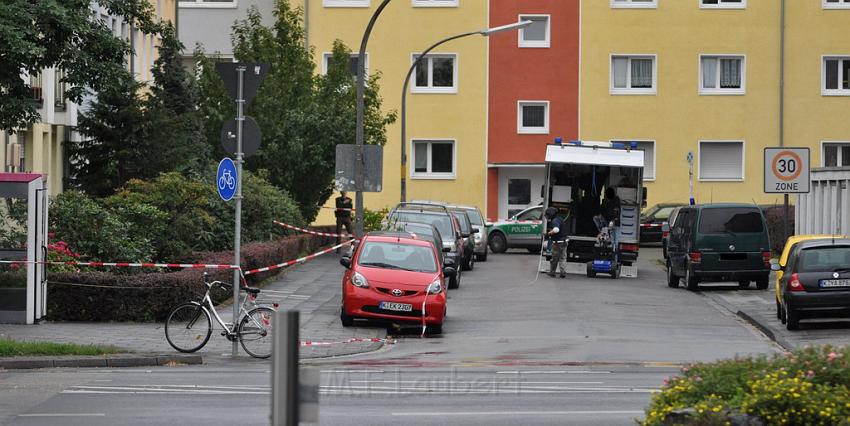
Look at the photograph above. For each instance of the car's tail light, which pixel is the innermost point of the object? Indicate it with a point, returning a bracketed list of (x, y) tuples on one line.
[(765, 256), (628, 247), (695, 257), (665, 234), (794, 283)]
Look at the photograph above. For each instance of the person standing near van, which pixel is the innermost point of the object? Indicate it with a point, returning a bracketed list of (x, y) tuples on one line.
[(343, 214), (558, 235), (610, 215)]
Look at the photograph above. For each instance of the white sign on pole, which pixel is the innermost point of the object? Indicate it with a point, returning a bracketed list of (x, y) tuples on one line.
[(786, 170)]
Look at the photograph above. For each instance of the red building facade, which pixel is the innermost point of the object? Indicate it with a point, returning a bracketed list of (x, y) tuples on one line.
[(533, 97)]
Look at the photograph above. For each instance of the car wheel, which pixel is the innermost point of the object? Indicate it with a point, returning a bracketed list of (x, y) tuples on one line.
[(672, 279), (763, 283), (590, 272), (783, 319), (435, 329), (743, 284), (481, 257), (690, 280), (664, 249), (498, 242), (347, 320), (472, 261), (792, 318), (778, 311)]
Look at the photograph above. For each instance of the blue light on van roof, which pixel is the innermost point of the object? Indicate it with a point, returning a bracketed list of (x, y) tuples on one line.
[(559, 141)]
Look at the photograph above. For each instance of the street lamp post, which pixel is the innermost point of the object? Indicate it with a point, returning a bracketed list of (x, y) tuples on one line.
[(485, 33)]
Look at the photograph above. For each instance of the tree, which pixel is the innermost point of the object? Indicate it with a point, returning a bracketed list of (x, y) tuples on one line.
[(61, 33), (302, 116), (214, 104)]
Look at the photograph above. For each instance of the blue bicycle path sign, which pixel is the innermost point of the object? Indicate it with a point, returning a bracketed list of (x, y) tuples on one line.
[(226, 178)]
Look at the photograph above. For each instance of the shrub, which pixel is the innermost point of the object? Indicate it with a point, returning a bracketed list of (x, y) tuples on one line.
[(775, 217), (791, 388), (372, 219)]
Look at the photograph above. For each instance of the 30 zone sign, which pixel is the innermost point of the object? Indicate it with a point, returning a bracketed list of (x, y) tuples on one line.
[(786, 170)]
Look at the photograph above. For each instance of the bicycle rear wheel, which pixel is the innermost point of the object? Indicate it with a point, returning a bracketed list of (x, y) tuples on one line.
[(188, 327), (255, 332)]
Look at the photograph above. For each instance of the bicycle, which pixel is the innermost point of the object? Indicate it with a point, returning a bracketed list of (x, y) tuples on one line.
[(189, 325)]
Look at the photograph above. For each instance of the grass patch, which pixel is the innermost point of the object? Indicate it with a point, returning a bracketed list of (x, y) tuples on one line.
[(10, 348)]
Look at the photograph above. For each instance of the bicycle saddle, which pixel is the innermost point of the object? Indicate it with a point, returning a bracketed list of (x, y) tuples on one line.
[(252, 290)]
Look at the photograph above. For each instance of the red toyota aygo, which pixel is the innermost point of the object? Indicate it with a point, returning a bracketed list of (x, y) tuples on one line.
[(395, 277)]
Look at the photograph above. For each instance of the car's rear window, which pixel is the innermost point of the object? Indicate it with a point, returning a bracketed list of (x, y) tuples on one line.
[(730, 220), (440, 221), (664, 213), (823, 259), (475, 217), (397, 256)]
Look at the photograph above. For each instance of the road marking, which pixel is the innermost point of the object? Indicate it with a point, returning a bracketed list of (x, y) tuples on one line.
[(514, 413), (63, 415)]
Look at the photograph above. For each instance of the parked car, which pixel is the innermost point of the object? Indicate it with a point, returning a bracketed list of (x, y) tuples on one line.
[(446, 224), (395, 277), (719, 242), (816, 281), (479, 237), (652, 221), (783, 261), (424, 231), (523, 230), (665, 229), (466, 232)]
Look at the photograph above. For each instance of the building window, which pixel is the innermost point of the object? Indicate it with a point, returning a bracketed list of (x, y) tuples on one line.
[(519, 191), (835, 154), (352, 63), (346, 3), (836, 4), (208, 3), (433, 159), (836, 76), (634, 4), (721, 161), (435, 3), (633, 74), (721, 75), (59, 90), (648, 148), (536, 34), (533, 117), (36, 87), (723, 4), (436, 74)]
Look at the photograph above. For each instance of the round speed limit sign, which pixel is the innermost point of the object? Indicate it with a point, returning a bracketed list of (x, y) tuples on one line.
[(786, 170)]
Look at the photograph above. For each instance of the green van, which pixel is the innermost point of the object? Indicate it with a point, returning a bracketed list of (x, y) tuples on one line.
[(719, 242)]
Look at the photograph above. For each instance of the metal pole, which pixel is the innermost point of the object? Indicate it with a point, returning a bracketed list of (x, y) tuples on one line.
[(285, 383), (786, 215), (237, 239), (361, 88), (404, 106)]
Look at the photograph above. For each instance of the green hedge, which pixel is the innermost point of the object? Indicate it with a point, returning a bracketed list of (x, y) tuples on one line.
[(149, 296)]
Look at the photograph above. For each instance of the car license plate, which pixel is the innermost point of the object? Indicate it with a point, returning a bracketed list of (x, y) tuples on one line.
[(393, 306), (834, 283)]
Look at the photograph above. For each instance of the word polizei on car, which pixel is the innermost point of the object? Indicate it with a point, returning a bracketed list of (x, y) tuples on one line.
[(395, 277)]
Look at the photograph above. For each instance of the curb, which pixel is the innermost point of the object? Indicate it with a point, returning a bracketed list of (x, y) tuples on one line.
[(766, 330), (104, 361)]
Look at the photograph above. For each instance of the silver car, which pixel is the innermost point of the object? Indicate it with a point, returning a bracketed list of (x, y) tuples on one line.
[(481, 236)]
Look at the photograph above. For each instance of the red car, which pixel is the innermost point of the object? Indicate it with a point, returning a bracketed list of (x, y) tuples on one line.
[(394, 277)]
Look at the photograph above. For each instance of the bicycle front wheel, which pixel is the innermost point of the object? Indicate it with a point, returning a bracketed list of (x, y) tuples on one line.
[(188, 327), (255, 332)]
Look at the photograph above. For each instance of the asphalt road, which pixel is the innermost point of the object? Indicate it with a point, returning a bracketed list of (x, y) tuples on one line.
[(515, 351)]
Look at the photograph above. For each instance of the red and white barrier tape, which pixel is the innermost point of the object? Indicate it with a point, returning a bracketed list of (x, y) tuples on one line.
[(127, 264), (321, 234), (352, 340), (299, 260)]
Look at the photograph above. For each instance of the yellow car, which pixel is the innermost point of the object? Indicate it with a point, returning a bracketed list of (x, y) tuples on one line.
[(783, 259)]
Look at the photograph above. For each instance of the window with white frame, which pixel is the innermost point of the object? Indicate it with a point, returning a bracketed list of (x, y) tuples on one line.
[(648, 148), (634, 4), (836, 75), (207, 3), (433, 159), (533, 117), (723, 4), (836, 4), (537, 34), (722, 74), (345, 3), (721, 160), (633, 74), (836, 154), (436, 74), (352, 63), (435, 3)]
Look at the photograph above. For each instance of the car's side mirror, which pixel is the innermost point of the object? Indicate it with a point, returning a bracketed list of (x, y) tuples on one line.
[(447, 249), (449, 271), (345, 261), (449, 261)]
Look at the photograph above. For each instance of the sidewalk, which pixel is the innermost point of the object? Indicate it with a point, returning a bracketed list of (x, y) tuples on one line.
[(312, 288)]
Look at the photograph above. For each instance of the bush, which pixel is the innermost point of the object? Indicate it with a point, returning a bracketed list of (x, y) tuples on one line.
[(103, 296), (791, 388), (372, 219), (775, 217)]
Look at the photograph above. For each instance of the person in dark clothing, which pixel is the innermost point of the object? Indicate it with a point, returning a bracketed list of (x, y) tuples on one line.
[(610, 215), (343, 210), (558, 235)]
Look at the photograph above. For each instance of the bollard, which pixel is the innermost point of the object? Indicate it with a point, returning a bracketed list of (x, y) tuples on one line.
[(285, 399)]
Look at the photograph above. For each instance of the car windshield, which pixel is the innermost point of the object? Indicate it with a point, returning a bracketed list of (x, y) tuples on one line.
[(440, 221), (532, 214), (730, 220), (475, 217), (464, 223), (650, 211), (402, 256), (824, 259)]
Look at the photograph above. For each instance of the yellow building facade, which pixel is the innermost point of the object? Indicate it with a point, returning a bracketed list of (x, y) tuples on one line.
[(446, 108)]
